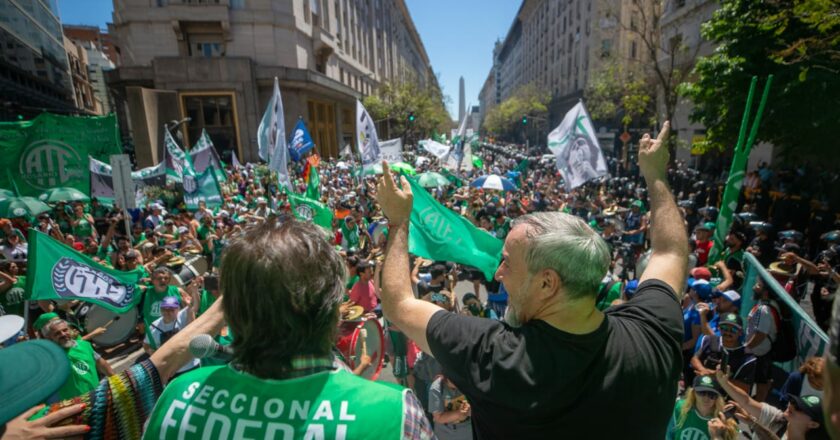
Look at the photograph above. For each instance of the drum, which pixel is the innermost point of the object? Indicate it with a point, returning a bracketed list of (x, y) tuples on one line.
[(194, 265), (357, 336), (118, 327)]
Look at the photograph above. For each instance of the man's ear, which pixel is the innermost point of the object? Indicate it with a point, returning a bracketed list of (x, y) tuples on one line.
[(550, 283)]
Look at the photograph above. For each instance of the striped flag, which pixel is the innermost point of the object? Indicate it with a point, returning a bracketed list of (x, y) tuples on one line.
[(271, 137)]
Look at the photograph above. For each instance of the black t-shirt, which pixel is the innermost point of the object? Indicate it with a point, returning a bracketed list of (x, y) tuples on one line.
[(536, 381)]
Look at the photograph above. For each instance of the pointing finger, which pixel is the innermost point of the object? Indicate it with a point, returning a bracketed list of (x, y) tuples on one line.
[(387, 177), (666, 129)]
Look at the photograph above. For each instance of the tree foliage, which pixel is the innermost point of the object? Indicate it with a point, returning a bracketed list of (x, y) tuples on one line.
[(797, 42), (614, 94), (394, 101), (505, 119)]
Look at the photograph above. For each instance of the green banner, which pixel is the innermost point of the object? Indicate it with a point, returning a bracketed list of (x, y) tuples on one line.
[(58, 272), (311, 210), (201, 188), (438, 233), (52, 151), (313, 187)]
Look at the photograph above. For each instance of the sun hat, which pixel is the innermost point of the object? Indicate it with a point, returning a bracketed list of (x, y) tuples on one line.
[(30, 372)]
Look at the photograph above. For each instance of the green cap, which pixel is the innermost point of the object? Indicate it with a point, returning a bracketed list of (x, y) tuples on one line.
[(30, 372), (43, 320), (638, 204)]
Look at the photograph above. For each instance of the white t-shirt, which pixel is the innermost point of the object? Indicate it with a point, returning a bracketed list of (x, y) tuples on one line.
[(761, 320), (158, 327), (772, 418)]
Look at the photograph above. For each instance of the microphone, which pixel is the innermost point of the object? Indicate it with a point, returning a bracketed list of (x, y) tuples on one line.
[(204, 346)]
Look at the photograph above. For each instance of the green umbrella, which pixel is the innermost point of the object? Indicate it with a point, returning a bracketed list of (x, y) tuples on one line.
[(22, 207), (477, 162), (432, 180), (400, 167), (6, 194), (63, 194)]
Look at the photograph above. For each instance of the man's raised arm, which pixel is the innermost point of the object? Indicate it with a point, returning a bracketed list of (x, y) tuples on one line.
[(668, 237), (399, 305)]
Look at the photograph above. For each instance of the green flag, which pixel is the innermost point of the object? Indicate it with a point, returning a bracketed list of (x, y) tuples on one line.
[(523, 166), (437, 233), (58, 272), (313, 187), (307, 209), (477, 162), (52, 150), (203, 187)]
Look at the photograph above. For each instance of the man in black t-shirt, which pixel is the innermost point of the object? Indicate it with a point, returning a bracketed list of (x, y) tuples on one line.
[(561, 365)]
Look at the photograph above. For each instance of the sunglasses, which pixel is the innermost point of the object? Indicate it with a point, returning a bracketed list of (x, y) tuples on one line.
[(729, 329), (708, 394)]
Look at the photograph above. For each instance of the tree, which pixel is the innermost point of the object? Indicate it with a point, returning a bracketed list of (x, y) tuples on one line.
[(614, 94), (505, 119), (797, 42), (666, 63), (393, 102)]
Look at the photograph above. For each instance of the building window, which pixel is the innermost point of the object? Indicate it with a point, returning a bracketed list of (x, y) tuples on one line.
[(633, 50), (215, 113), (606, 48), (237, 4)]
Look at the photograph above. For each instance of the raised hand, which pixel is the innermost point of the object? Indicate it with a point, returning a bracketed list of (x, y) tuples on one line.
[(396, 203), (653, 156)]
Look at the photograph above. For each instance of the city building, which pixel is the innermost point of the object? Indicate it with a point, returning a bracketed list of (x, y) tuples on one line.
[(34, 72), (558, 45), (487, 96), (83, 95), (101, 54), (214, 61)]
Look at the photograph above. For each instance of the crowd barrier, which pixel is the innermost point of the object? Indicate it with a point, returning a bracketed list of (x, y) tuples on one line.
[(810, 339)]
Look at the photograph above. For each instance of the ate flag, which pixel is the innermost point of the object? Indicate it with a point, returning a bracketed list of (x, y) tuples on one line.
[(58, 272), (438, 233)]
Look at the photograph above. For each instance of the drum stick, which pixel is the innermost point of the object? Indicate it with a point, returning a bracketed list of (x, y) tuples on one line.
[(116, 318), (363, 334)]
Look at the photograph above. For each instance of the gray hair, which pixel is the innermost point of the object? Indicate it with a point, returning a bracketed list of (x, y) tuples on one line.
[(567, 245), (281, 283), (47, 328)]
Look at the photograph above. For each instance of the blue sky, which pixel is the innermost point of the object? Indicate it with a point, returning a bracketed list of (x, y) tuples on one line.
[(458, 35)]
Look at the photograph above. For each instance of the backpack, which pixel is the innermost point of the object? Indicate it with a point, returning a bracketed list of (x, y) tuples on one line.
[(783, 348)]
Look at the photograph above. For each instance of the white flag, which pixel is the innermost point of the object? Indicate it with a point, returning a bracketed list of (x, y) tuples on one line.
[(366, 138), (271, 125), (578, 154), (456, 155), (391, 150), (436, 148)]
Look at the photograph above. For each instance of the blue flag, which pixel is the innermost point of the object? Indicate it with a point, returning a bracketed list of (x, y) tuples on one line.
[(300, 142)]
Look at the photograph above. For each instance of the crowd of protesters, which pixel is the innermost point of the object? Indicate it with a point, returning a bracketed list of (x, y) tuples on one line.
[(727, 373)]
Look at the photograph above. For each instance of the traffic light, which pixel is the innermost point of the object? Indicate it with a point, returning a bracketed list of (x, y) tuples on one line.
[(524, 119), (410, 117)]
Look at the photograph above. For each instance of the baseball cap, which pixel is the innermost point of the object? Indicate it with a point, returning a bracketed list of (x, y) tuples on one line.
[(43, 320), (706, 383), (630, 288), (703, 289), (732, 296), (30, 372), (810, 405), (638, 204), (469, 296), (704, 227), (731, 319), (170, 302), (157, 206), (701, 273)]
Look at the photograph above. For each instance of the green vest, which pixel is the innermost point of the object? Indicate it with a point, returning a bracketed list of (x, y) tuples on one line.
[(222, 403), (83, 377), (694, 428)]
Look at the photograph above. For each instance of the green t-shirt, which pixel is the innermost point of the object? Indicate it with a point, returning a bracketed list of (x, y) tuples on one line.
[(83, 228), (12, 300), (613, 294), (83, 376), (695, 426), (221, 402), (207, 300), (352, 281)]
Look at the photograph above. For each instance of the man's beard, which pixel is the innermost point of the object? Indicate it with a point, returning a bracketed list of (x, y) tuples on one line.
[(67, 343), (511, 312)]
